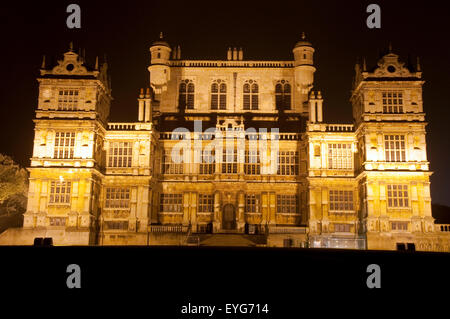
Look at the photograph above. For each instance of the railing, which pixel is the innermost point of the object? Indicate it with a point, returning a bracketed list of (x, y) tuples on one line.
[(339, 127), (121, 126), (168, 229), (250, 135), (443, 227), (248, 64)]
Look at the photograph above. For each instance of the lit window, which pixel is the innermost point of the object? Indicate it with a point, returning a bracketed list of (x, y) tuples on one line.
[(186, 94), (287, 204), (287, 163), (252, 164), (169, 166), (171, 203), (392, 102), (218, 95), (394, 148), (64, 145), (283, 95), (205, 203), (60, 192), (58, 221), (342, 228), (340, 156), (120, 154), (118, 198), (397, 196), (68, 100), (252, 203), (251, 100), (341, 201)]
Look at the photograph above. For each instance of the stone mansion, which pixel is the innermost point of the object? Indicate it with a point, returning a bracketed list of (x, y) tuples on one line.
[(263, 164)]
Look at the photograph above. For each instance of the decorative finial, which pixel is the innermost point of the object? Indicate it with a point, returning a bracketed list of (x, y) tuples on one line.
[(303, 36), (364, 65), (96, 62), (160, 35), (43, 62), (142, 91), (71, 46), (390, 47), (418, 65)]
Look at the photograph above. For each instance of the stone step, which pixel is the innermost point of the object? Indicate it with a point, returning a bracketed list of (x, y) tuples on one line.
[(234, 240)]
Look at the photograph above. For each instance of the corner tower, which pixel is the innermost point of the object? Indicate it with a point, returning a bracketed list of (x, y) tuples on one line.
[(159, 64), (393, 172)]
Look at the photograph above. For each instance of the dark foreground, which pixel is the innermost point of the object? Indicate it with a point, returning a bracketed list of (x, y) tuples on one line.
[(161, 280)]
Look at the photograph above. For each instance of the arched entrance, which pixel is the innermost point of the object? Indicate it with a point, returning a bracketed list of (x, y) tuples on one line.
[(229, 217)]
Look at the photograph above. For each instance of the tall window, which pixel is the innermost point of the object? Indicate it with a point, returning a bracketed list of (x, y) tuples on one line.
[(218, 95), (251, 100), (64, 144), (171, 203), (392, 102), (67, 100), (287, 204), (229, 164), (117, 197), (397, 196), (207, 165), (186, 94), (283, 95), (169, 166), (341, 201), (120, 154), (394, 146), (287, 163), (205, 203), (342, 228), (340, 156), (252, 203), (60, 192)]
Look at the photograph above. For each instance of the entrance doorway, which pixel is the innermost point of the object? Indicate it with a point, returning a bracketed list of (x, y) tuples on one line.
[(229, 217)]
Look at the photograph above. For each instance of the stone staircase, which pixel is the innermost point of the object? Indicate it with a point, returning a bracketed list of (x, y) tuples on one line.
[(231, 240)]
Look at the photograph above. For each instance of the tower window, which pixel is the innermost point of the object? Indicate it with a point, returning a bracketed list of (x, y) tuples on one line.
[(172, 165), (252, 164), (392, 102), (394, 148), (207, 165), (401, 226), (397, 196), (64, 145), (342, 228), (229, 165), (283, 95), (186, 94), (218, 95), (251, 99), (60, 192), (341, 201), (67, 100), (117, 197), (120, 154), (340, 156)]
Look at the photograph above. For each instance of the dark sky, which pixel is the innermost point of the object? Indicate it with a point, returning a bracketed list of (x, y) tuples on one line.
[(266, 30)]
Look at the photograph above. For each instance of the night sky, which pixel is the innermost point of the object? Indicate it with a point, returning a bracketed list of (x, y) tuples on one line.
[(204, 30)]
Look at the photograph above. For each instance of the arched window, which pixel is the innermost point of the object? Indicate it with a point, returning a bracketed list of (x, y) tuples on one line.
[(283, 95), (250, 90), (218, 95), (186, 94)]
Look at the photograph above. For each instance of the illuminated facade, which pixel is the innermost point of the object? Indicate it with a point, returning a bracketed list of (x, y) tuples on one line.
[(273, 171)]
